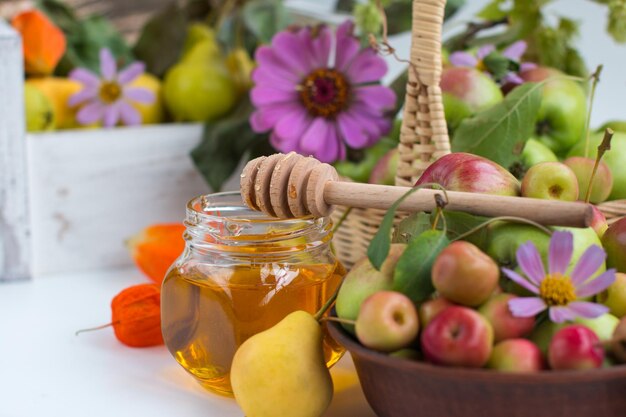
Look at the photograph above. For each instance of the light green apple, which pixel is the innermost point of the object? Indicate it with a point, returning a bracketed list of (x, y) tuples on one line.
[(466, 91), (615, 296), (562, 114), (550, 181), (536, 152), (602, 180), (613, 158)]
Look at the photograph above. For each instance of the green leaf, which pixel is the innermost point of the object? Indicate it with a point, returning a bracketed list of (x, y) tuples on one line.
[(264, 18), (378, 248), (412, 275), (162, 39), (224, 144), (616, 25), (85, 38), (500, 132), (493, 11), (399, 17), (497, 64), (452, 8), (411, 226)]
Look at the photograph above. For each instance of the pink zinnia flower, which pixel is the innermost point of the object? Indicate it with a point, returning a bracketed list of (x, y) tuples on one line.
[(314, 103), (108, 97), (556, 291)]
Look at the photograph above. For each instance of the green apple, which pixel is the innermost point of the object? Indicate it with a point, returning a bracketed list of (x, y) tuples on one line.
[(466, 91), (613, 158), (536, 152), (602, 181), (384, 172), (616, 125), (364, 280), (550, 181), (562, 114), (615, 296)]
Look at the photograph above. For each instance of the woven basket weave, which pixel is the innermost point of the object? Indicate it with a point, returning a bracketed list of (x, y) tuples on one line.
[(424, 133), (423, 136)]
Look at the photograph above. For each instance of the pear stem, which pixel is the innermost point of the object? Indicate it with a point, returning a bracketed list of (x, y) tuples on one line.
[(91, 329), (503, 218), (341, 219), (338, 320), (595, 79), (604, 146)]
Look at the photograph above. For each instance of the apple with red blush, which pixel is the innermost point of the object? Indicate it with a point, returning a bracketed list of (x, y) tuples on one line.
[(505, 325), (614, 242), (458, 336), (575, 347), (516, 355), (429, 309)]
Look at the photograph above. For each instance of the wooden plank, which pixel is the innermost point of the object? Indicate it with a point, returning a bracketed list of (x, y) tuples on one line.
[(14, 223), (93, 189)]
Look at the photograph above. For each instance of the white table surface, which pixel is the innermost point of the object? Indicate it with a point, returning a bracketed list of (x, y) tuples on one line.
[(47, 371)]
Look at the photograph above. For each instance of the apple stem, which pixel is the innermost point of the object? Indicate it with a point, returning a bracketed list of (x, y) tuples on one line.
[(91, 329), (595, 79), (604, 146), (338, 320), (503, 218)]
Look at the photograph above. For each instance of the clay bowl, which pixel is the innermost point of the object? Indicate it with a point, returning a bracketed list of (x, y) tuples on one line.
[(400, 388)]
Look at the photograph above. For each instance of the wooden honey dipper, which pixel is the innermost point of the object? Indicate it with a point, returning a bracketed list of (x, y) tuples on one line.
[(291, 185)]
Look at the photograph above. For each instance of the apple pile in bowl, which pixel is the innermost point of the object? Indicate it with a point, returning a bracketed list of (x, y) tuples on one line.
[(524, 321)]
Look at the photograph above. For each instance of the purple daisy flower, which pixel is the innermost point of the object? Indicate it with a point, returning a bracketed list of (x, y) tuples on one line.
[(108, 97), (317, 93), (556, 291), (466, 59)]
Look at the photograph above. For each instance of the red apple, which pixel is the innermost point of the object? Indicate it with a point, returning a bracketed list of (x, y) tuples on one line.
[(575, 347), (387, 321), (550, 181), (516, 355), (471, 173), (458, 336), (602, 182), (429, 310), (505, 325), (464, 274), (614, 242)]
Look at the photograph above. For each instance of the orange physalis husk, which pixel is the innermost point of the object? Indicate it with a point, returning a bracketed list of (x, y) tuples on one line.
[(43, 43), (136, 316), (156, 248)]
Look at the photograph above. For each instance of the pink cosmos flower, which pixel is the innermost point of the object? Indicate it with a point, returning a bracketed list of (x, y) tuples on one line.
[(108, 97), (514, 52), (556, 291), (318, 93)]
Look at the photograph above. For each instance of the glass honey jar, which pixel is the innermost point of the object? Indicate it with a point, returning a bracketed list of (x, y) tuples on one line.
[(241, 272)]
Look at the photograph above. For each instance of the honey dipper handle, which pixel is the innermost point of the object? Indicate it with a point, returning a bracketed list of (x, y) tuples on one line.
[(546, 212)]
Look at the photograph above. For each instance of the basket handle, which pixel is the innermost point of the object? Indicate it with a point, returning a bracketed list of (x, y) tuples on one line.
[(424, 133)]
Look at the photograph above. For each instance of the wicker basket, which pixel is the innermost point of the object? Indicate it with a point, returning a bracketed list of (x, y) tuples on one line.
[(423, 136)]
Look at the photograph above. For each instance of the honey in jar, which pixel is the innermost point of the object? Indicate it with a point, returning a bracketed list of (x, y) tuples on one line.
[(241, 273)]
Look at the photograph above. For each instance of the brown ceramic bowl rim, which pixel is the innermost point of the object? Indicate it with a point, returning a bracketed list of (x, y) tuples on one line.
[(404, 365)]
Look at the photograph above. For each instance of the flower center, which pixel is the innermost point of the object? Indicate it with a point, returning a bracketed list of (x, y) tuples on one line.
[(109, 92), (324, 92), (557, 290)]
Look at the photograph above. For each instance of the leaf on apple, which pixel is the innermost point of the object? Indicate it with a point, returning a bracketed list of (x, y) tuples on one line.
[(500, 132), (412, 276), (457, 223)]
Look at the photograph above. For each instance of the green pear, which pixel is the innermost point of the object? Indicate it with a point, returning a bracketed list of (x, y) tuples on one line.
[(364, 280), (282, 372)]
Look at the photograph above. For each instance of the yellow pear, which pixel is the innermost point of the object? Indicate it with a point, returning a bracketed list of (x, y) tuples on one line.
[(59, 90), (152, 113), (281, 372), (39, 111)]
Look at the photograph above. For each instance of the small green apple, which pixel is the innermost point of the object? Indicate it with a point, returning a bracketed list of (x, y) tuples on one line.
[(536, 152), (561, 119), (613, 158), (615, 296), (602, 181), (550, 181), (467, 91)]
